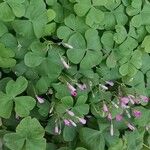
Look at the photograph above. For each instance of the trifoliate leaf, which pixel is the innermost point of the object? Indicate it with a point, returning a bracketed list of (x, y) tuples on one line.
[(29, 135)]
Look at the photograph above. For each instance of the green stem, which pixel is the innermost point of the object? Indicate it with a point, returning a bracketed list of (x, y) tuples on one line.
[(146, 146)]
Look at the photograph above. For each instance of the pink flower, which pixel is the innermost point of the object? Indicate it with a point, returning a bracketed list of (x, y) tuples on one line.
[(105, 108), (74, 93), (70, 113), (119, 117), (124, 102), (131, 127), (81, 86), (144, 98), (109, 116), (64, 63), (137, 113), (73, 123), (66, 122), (110, 83), (40, 100), (72, 89), (82, 120)]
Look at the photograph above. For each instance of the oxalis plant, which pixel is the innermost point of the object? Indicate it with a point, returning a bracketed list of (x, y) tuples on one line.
[(74, 74)]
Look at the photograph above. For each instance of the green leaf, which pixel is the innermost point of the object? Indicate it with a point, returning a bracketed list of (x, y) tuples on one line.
[(82, 7), (6, 105), (136, 59), (76, 54), (121, 34), (80, 107), (23, 105), (93, 139), (44, 108), (146, 44), (3, 29), (93, 40), (93, 54), (80, 148), (107, 40), (32, 59), (94, 17), (6, 13), (14, 141), (17, 7), (51, 14), (64, 32), (51, 2), (42, 85), (91, 59), (111, 60), (6, 57), (29, 135), (77, 41), (81, 100), (69, 133), (67, 101), (38, 16), (15, 88), (24, 28)]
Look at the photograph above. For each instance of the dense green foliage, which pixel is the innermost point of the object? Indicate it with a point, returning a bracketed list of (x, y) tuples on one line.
[(74, 74)]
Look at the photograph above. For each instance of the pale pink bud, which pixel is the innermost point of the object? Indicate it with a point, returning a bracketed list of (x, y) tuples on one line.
[(131, 127), (110, 83), (131, 99), (67, 45), (66, 122), (72, 89), (40, 100), (128, 114), (105, 108), (17, 117), (137, 113), (144, 98), (82, 120), (64, 63), (119, 117), (56, 129), (73, 123), (109, 116), (81, 86), (103, 87), (70, 113), (111, 129)]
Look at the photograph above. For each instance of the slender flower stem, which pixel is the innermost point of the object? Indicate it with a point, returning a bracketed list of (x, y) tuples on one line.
[(146, 146)]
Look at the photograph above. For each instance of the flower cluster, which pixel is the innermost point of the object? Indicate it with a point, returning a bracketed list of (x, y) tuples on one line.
[(69, 121), (128, 106)]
